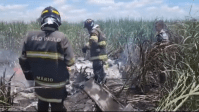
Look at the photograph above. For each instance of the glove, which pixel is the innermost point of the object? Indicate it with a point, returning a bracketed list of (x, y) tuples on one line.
[(84, 49), (105, 65), (68, 68)]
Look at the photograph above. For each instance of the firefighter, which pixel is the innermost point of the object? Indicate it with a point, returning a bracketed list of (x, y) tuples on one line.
[(97, 47), (161, 32), (45, 57), (162, 41)]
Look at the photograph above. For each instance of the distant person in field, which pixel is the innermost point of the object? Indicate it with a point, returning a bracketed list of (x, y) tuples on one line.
[(97, 47), (45, 57), (161, 31), (162, 37)]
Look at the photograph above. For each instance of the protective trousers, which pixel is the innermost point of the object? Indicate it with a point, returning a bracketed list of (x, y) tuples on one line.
[(44, 106), (98, 69)]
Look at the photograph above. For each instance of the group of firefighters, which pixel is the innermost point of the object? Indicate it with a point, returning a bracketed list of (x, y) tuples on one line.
[(47, 54)]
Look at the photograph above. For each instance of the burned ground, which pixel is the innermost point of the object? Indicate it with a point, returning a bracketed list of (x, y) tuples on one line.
[(77, 99)]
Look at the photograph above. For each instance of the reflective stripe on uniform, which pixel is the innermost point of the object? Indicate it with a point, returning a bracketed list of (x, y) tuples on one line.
[(102, 43), (52, 85), (101, 57), (49, 100), (50, 55), (94, 38)]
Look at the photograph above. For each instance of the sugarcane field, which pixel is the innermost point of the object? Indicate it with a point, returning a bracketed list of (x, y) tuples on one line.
[(92, 55)]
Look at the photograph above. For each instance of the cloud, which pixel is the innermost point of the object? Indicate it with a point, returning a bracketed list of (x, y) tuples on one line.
[(152, 8), (109, 8), (58, 2), (145, 9), (12, 7), (164, 12), (65, 8), (71, 11), (101, 2), (77, 11), (142, 3), (172, 9), (127, 9), (76, 1)]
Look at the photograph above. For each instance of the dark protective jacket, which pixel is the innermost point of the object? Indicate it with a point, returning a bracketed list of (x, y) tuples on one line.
[(97, 44), (44, 58)]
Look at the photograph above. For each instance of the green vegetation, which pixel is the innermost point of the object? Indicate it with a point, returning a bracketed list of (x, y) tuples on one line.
[(179, 59), (117, 32), (6, 100), (184, 93)]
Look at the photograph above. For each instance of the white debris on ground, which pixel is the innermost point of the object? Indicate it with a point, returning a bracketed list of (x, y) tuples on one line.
[(112, 71), (81, 63), (78, 100), (111, 68), (26, 100)]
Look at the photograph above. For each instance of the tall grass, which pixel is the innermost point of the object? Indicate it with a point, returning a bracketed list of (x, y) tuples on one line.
[(185, 93), (11, 34), (179, 58), (6, 100), (116, 31)]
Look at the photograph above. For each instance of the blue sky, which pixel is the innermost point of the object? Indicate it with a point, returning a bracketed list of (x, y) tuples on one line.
[(79, 10)]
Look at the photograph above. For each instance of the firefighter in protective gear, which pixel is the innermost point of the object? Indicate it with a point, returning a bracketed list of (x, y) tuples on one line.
[(97, 47), (45, 57), (161, 32)]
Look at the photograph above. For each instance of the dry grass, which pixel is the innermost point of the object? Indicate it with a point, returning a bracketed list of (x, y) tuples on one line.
[(184, 94), (173, 67), (6, 100)]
